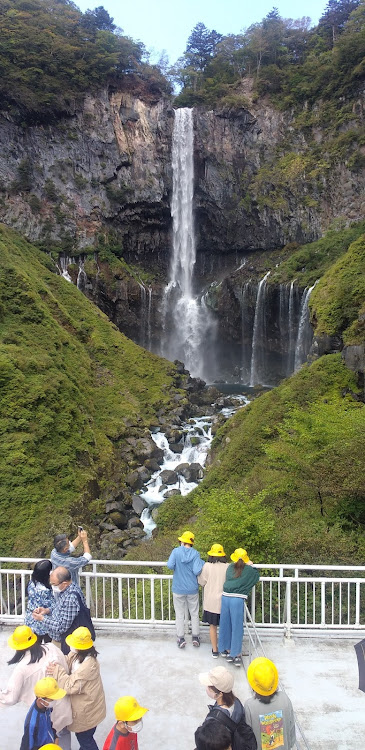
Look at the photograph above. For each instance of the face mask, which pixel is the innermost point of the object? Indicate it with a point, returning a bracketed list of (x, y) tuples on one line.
[(56, 589), (47, 703), (135, 727), (73, 650), (211, 693)]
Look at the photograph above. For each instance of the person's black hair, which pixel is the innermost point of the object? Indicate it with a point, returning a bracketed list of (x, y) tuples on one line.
[(238, 568), (228, 698), (265, 698), (41, 572), (212, 735), (36, 652), (215, 559), (82, 654), (59, 542)]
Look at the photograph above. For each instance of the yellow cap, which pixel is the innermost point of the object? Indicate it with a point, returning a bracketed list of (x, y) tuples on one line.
[(216, 550), (187, 537), (49, 688), (128, 709), (263, 676), (240, 554), (50, 746), (22, 638), (80, 639)]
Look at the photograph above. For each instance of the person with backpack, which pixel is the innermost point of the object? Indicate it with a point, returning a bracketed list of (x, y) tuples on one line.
[(241, 576), (227, 708), (84, 686), (270, 712), (38, 723), (69, 611)]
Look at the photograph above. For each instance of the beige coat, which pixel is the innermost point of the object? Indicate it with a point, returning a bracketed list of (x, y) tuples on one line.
[(85, 688), (21, 685), (212, 577)]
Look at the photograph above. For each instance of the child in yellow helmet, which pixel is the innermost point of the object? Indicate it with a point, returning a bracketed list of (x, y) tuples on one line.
[(123, 735)]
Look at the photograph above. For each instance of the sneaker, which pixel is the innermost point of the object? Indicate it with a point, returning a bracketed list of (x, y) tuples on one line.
[(196, 641), (225, 653), (229, 659), (215, 654), (181, 642), (237, 661)]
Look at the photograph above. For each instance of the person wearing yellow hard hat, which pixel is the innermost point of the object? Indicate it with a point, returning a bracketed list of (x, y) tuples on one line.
[(82, 682), (38, 725), (212, 579), (186, 564), (270, 712), (30, 661), (50, 746), (241, 576), (123, 735)]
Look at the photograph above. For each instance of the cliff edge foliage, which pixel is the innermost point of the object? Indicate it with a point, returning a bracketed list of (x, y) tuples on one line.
[(71, 387)]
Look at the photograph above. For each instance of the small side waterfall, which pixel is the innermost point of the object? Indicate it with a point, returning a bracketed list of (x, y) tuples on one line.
[(81, 276), (259, 325), (187, 323), (305, 334)]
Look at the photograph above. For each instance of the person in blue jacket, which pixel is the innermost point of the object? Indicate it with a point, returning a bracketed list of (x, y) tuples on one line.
[(186, 564)]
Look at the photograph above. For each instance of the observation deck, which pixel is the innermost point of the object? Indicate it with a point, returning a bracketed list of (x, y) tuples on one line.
[(306, 619)]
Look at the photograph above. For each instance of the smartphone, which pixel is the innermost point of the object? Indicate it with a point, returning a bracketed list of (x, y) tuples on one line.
[(80, 528)]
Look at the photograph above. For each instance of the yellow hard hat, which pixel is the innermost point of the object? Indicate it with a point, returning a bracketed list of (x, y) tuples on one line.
[(128, 709), (22, 638), (216, 550), (50, 746), (263, 676), (49, 688), (187, 537), (80, 639), (240, 554)]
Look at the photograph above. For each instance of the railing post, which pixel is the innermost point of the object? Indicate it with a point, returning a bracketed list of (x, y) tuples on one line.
[(288, 609), (357, 603), (323, 604), (87, 591), (120, 600), (152, 599)]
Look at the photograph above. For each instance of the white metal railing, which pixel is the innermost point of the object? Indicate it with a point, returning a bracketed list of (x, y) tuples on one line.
[(288, 598)]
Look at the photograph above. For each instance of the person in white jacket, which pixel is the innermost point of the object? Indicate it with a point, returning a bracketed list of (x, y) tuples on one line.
[(212, 579), (31, 660)]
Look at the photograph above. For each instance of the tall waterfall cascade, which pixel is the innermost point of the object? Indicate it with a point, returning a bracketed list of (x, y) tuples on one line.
[(187, 325)]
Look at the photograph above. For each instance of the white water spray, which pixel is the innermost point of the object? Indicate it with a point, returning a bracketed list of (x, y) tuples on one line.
[(186, 321)]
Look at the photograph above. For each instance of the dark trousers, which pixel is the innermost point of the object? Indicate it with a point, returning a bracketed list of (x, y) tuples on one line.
[(86, 739)]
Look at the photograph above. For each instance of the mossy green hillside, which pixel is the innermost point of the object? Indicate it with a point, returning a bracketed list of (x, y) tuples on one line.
[(286, 478), (337, 302), (307, 263), (71, 386)]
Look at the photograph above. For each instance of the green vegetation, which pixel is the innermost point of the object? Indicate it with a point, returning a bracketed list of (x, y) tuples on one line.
[(51, 53), (70, 387), (308, 263), (339, 298), (287, 475)]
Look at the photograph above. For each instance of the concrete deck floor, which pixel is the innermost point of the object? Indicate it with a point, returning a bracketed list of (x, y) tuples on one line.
[(319, 675)]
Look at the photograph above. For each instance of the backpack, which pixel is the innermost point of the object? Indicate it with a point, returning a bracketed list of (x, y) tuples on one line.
[(243, 737), (82, 620)]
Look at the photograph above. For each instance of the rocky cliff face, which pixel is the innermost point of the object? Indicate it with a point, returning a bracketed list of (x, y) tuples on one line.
[(109, 167)]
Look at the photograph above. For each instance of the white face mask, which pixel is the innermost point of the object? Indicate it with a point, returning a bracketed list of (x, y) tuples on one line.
[(211, 693), (135, 727), (46, 703)]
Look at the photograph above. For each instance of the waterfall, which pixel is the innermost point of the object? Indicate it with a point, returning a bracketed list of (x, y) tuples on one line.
[(64, 262), (305, 333), (81, 276), (290, 363), (149, 311), (186, 321), (142, 320), (258, 335), (246, 354)]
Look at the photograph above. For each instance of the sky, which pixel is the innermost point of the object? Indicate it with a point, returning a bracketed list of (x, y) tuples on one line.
[(165, 25)]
